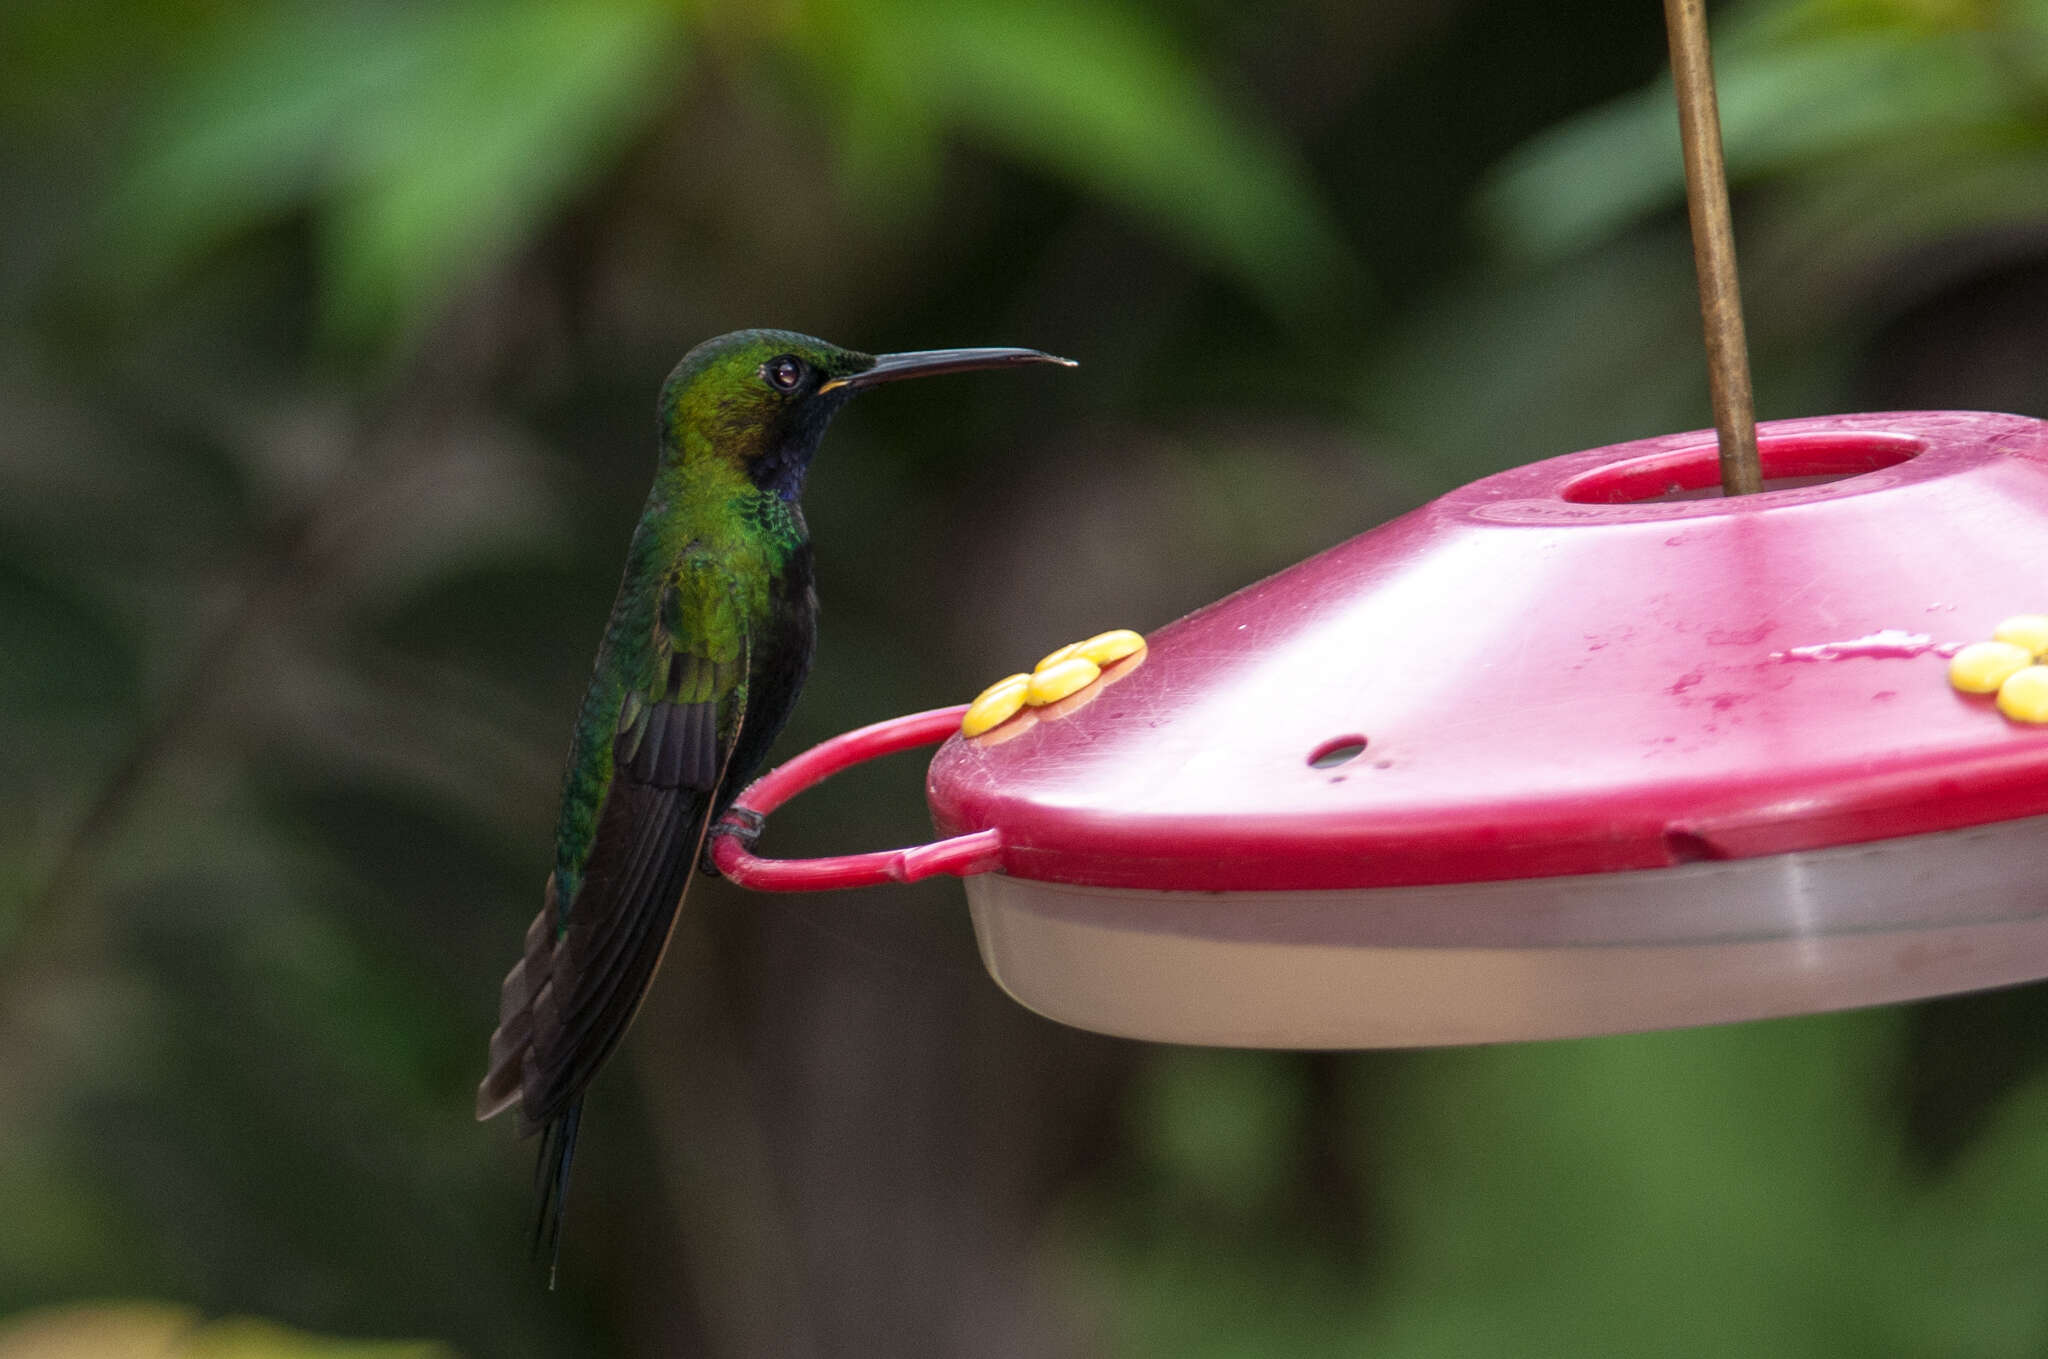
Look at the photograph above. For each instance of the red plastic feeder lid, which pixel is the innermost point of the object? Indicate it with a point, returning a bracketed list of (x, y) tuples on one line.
[(1568, 668)]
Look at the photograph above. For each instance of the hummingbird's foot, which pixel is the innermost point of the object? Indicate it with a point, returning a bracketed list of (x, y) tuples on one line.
[(743, 824)]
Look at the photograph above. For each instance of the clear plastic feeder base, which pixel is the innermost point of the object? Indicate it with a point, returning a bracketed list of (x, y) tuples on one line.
[(1703, 943)]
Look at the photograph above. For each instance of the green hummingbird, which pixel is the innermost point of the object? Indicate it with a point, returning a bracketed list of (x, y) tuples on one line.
[(709, 642)]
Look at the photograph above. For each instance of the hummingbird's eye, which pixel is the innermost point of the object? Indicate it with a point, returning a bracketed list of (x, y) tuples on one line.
[(785, 373)]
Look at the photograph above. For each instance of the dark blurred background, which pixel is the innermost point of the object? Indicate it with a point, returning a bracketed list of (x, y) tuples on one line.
[(329, 339)]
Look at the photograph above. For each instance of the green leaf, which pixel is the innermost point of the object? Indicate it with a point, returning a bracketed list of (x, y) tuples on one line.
[(1781, 108), (244, 132), (1105, 99), (435, 141), (511, 110)]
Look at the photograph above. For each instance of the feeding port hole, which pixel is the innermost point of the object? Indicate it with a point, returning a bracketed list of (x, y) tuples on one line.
[(1789, 461), (1336, 751)]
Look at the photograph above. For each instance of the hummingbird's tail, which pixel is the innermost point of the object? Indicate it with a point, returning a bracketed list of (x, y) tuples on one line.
[(551, 1180)]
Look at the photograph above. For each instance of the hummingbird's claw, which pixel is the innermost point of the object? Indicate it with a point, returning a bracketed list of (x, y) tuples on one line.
[(743, 824)]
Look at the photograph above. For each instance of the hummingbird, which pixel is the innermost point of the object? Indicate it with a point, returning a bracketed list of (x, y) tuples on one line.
[(708, 644)]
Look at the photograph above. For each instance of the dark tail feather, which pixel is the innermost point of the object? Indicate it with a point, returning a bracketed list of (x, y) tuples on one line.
[(551, 1179)]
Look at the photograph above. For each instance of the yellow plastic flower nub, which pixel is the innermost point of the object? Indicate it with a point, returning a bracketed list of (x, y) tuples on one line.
[(1053, 658), (1981, 667), (2024, 697), (2029, 630), (995, 705), (1055, 682), (1102, 648), (1116, 644)]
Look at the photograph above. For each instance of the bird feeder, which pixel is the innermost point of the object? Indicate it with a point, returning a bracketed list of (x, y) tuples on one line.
[(1585, 746)]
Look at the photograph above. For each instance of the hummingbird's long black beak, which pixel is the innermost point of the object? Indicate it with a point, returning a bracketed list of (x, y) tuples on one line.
[(928, 362)]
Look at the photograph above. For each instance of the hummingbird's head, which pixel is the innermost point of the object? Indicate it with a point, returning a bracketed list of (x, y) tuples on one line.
[(762, 398)]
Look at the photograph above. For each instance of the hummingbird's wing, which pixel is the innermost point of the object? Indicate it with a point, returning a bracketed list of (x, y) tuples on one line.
[(588, 961)]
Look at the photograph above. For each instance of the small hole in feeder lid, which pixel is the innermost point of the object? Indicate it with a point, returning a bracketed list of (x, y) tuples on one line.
[(1338, 750), (1789, 461)]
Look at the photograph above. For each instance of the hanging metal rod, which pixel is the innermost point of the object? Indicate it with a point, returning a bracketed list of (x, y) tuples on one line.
[(1713, 246)]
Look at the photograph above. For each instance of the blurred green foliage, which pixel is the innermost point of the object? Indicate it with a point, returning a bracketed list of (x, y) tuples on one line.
[(1744, 1190), (428, 143), (1941, 103), (130, 1330), (329, 335)]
